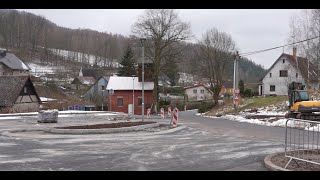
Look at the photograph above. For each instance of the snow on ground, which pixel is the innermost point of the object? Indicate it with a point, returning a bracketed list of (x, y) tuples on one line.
[(192, 110), (90, 58), (1, 118), (37, 69), (45, 99), (279, 121), (96, 113)]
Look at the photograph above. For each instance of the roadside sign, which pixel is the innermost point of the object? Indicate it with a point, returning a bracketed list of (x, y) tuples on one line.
[(236, 96), (70, 108), (76, 107)]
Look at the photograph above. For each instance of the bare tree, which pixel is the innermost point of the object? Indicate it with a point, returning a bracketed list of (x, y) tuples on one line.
[(306, 25), (162, 28), (214, 53)]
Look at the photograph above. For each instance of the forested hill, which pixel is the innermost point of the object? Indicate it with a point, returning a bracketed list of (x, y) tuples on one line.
[(32, 35), (248, 70), (34, 38)]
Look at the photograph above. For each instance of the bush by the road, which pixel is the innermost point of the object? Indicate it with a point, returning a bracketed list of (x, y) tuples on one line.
[(205, 106)]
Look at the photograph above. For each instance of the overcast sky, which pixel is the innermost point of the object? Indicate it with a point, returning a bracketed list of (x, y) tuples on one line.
[(251, 29)]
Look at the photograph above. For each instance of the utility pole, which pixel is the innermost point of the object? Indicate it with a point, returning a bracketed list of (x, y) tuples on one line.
[(142, 42), (235, 81), (133, 95), (102, 99)]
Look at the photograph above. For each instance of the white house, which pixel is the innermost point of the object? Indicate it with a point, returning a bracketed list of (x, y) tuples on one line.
[(11, 65), (198, 92), (286, 69)]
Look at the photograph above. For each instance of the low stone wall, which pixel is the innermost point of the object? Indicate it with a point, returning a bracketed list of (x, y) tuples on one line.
[(101, 131), (50, 116)]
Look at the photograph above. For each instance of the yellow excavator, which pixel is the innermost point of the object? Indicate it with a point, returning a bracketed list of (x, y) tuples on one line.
[(300, 106)]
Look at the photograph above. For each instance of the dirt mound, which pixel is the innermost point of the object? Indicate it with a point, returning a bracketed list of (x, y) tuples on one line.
[(111, 125)]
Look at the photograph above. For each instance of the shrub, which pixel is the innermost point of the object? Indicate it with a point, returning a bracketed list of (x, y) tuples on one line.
[(164, 102), (248, 93), (205, 106)]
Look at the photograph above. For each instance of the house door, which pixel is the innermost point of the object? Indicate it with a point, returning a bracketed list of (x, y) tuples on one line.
[(130, 109)]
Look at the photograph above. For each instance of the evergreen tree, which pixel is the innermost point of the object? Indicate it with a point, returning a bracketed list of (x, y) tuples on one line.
[(127, 64), (241, 87)]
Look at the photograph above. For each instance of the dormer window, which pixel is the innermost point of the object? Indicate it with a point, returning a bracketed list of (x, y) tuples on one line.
[(283, 60)]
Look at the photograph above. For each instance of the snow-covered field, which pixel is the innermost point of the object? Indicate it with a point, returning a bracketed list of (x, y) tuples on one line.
[(37, 69), (87, 57)]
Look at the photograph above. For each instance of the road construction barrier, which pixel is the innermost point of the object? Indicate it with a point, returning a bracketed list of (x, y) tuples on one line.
[(302, 141), (175, 117), (169, 111), (148, 112), (162, 113)]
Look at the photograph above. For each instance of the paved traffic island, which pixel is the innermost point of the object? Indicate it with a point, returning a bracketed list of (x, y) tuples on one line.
[(104, 128), (277, 162)]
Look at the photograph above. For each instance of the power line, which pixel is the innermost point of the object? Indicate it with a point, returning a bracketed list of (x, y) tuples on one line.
[(264, 50)]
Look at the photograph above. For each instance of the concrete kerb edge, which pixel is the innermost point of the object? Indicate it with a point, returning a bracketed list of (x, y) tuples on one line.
[(8, 132), (268, 163), (100, 131)]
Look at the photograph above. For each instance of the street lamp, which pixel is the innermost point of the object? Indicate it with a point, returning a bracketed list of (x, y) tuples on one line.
[(102, 99), (111, 91), (142, 40), (133, 77)]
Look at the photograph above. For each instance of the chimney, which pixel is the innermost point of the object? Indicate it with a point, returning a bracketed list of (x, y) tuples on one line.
[(294, 54), (3, 53)]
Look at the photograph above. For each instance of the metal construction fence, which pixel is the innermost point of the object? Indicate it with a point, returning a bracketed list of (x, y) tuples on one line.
[(302, 141)]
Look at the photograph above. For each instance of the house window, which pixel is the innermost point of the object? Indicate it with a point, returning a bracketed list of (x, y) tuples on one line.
[(194, 91), (120, 101), (25, 90), (270, 74), (283, 73), (202, 91), (283, 60), (102, 88), (272, 88), (296, 75), (140, 101)]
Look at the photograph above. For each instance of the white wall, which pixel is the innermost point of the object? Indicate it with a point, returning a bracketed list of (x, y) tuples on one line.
[(281, 83), (25, 107), (198, 96), (10, 72)]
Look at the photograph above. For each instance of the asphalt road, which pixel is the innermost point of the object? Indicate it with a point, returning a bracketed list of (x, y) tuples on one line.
[(205, 145)]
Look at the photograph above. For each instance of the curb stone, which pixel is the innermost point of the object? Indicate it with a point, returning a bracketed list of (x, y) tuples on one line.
[(100, 131), (271, 166), (8, 132)]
